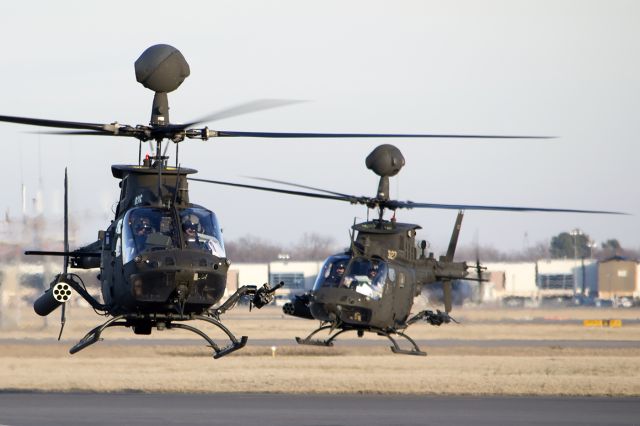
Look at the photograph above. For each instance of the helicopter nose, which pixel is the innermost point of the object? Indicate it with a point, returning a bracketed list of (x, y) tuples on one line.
[(321, 312)]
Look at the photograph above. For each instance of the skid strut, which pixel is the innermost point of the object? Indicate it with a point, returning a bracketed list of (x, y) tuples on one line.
[(415, 350), (167, 322), (94, 335), (260, 296)]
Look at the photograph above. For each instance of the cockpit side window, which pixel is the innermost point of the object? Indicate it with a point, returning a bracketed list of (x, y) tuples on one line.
[(332, 272), (118, 249), (200, 230)]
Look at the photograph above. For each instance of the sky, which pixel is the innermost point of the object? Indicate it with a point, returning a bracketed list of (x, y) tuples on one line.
[(569, 69)]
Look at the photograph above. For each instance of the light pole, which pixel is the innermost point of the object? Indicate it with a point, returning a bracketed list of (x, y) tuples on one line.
[(575, 233), (592, 245)]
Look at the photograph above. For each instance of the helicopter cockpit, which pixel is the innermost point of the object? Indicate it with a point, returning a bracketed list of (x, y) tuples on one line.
[(201, 230), (362, 275), (146, 229)]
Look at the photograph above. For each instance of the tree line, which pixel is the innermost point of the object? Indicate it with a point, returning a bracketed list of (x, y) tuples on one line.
[(312, 246)]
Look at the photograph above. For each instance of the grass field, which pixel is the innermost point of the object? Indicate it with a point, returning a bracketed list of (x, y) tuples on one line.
[(124, 365)]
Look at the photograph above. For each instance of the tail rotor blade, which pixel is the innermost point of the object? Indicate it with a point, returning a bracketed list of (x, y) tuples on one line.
[(63, 319), (451, 251), (66, 224), (65, 266), (446, 289)]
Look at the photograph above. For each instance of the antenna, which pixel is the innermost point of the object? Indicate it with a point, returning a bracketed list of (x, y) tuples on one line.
[(175, 194)]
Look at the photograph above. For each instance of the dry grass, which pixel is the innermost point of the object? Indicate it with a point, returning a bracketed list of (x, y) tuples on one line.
[(540, 370), (270, 323), (544, 371)]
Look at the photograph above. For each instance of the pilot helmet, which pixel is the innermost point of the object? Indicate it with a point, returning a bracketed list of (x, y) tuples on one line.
[(190, 221), (142, 224)]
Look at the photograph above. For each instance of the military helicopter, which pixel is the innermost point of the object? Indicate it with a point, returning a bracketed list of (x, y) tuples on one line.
[(370, 288), (162, 259)]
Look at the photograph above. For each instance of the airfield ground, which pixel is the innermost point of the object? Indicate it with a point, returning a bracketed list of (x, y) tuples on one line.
[(494, 351)]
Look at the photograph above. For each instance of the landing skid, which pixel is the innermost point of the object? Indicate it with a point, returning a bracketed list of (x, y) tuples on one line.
[(415, 350), (260, 296), (161, 322)]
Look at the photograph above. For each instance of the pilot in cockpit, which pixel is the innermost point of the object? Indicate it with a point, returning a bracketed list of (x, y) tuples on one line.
[(141, 228), (373, 271), (337, 273), (191, 229)]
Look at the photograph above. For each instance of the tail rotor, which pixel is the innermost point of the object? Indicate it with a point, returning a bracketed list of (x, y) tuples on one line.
[(451, 251)]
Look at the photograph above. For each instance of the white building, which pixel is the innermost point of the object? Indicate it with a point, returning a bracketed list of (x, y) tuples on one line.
[(513, 280), (298, 277), (566, 277)]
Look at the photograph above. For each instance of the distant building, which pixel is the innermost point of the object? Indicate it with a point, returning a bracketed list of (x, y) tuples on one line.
[(564, 278), (513, 282), (298, 277), (246, 274), (519, 282), (618, 277)]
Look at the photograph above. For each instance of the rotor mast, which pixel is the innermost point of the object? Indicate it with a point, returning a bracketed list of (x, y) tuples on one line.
[(160, 109), (385, 161)]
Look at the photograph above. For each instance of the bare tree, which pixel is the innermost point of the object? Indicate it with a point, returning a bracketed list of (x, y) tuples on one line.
[(252, 249), (313, 247)]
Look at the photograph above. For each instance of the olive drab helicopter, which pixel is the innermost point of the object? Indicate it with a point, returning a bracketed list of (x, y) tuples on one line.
[(370, 288), (162, 259)]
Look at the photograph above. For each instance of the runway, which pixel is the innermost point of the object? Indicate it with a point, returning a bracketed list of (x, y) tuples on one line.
[(427, 343), (22, 409)]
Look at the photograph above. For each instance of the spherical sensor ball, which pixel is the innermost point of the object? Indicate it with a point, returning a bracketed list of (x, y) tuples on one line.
[(161, 68), (385, 160)]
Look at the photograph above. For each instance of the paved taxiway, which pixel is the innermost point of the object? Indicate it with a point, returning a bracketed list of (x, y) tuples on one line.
[(21, 409), (426, 343)]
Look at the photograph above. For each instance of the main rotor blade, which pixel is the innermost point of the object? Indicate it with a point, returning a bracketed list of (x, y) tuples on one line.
[(410, 205), (52, 123), (226, 133), (241, 109), (282, 191), (78, 133), (125, 133), (300, 186), (392, 204)]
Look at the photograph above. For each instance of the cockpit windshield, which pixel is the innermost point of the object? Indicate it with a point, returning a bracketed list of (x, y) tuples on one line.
[(362, 275), (147, 229), (366, 276), (200, 230)]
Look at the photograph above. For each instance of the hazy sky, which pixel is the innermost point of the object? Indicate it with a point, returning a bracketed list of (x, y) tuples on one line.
[(563, 68)]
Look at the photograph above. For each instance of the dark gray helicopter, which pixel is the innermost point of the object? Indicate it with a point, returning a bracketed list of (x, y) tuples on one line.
[(371, 286), (162, 259)]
